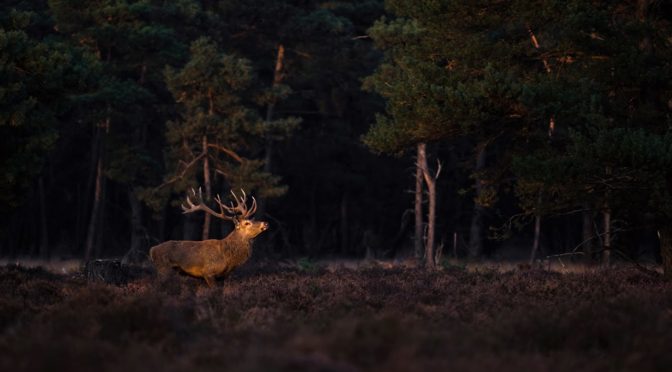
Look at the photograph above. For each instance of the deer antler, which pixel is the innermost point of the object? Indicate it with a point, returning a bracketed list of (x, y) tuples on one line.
[(200, 205), (240, 211)]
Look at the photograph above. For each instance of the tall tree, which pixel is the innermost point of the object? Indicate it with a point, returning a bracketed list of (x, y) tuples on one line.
[(133, 40), (43, 79), (412, 117), (615, 82), (218, 132)]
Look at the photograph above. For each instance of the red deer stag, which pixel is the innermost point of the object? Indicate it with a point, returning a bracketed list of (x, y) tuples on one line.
[(209, 259)]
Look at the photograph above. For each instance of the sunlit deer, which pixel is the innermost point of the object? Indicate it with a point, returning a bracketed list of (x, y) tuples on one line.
[(209, 259)]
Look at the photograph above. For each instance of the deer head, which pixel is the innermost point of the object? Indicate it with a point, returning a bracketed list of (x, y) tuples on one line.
[(238, 213)]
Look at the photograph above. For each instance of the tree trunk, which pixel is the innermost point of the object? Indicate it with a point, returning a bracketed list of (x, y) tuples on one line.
[(89, 189), (419, 228), (268, 155), (665, 235), (208, 189), (93, 235), (95, 212), (455, 244), (430, 181), (44, 232), (344, 224), (606, 253), (277, 79), (133, 254), (476, 230), (587, 235), (100, 226), (537, 238)]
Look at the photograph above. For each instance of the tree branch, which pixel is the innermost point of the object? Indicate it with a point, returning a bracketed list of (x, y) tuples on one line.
[(229, 152), (182, 173)]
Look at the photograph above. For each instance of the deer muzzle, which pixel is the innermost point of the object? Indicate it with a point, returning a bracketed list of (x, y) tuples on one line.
[(264, 226)]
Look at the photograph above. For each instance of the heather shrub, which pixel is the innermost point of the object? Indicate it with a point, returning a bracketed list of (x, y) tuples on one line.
[(397, 319)]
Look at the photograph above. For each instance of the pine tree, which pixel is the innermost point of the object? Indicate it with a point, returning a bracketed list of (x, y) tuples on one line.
[(611, 90), (218, 133), (43, 80), (134, 41)]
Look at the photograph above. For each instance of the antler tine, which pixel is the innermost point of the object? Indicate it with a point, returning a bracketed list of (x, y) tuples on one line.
[(254, 207), (190, 205), (218, 200), (201, 206), (240, 208)]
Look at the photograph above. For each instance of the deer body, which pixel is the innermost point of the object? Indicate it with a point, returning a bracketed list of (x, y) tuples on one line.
[(209, 259)]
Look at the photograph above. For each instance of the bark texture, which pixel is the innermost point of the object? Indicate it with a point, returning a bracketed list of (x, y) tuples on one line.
[(476, 230)]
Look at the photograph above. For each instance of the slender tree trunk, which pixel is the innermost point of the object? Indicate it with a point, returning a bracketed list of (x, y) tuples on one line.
[(537, 231), (344, 224), (79, 218), (95, 221), (537, 238), (419, 228), (606, 253), (133, 254), (208, 189), (455, 244), (100, 225), (278, 76), (665, 235), (89, 189), (431, 227), (277, 79), (588, 235), (44, 232), (430, 181), (476, 230), (95, 211)]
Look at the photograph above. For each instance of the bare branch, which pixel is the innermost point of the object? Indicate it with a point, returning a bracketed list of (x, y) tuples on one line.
[(229, 152), (182, 173)]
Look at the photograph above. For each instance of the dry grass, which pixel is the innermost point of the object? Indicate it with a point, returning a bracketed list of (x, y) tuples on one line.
[(310, 318)]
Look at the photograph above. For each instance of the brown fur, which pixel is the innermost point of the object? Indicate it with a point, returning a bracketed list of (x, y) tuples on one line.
[(208, 259)]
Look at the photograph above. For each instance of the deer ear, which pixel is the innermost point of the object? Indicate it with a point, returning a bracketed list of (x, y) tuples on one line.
[(236, 223)]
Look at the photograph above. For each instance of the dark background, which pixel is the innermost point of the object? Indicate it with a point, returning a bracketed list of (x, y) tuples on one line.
[(89, 85)]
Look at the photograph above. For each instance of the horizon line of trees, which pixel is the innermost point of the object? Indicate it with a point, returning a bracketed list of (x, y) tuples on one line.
[(514, 120)]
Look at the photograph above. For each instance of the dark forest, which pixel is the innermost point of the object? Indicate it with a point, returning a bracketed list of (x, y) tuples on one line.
[(500, 118), (353, 144)]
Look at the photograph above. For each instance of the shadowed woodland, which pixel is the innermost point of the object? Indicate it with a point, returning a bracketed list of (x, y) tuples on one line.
[(424, 140), (365, 129)]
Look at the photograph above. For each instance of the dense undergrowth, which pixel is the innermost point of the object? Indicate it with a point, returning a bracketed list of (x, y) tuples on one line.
[(347, 320)]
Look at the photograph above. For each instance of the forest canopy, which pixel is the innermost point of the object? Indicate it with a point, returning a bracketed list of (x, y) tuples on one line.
[(539, 127)]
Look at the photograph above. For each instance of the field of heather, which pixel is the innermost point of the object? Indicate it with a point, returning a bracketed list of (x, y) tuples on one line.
[(375, 319)]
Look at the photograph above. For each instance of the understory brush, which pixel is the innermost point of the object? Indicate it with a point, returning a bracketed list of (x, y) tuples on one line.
[(396, 319)]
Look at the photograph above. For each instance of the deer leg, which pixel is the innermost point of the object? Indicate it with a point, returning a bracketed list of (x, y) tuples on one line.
[(210, 281)]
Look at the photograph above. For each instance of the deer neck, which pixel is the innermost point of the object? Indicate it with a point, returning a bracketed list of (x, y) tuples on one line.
[(238, 240)]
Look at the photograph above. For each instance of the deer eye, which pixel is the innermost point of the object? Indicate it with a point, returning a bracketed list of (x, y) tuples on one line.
[(247, 223)]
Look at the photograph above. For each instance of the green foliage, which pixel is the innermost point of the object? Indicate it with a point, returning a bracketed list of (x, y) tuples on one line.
[(471, 69), (212, 90), (614, 148), (134, 41), (41, 82)]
